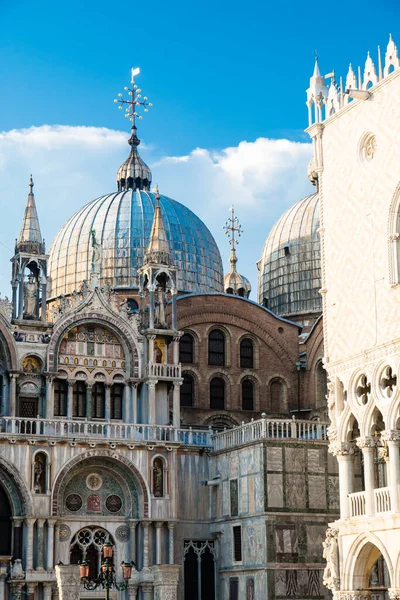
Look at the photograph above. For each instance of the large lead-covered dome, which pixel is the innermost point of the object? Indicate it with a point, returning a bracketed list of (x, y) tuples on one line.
[(289, 276), (122, 222)]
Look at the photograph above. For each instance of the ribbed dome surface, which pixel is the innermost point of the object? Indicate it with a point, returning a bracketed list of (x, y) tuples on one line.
[(289, 276), (122, 222)]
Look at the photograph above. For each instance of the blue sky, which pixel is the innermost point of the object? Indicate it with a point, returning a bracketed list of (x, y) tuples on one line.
[(218, 73)]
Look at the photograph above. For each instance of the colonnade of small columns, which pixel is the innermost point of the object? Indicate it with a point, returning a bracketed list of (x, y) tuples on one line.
[(345, 453)]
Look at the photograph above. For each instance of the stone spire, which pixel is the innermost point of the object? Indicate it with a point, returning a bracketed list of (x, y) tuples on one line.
[(30, 238), (158, 249), (234, 283), (133, 174)]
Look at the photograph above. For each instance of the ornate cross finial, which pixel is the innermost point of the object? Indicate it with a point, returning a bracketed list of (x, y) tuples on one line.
[(232, 227), (157, 195), (135, 100), (31, 184)]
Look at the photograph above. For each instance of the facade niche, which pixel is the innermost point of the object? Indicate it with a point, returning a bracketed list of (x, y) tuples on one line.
[(159, 477), (39, 473)]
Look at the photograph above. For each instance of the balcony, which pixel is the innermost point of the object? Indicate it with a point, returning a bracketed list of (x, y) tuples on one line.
[(59, 430), (163, 371), (357, 504), (382, 502)]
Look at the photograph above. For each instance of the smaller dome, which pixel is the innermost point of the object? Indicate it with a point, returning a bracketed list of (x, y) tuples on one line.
[(134, 174), (234, 283)]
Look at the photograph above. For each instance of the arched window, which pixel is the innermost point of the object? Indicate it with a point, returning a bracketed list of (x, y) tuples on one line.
[(247, 395), (321, 385), (60, 397), (98, 401), (186, 349), (276, 392), (216, 348), (79, 399), (117, 391), (217, 393), (246, 354), (187, 390)]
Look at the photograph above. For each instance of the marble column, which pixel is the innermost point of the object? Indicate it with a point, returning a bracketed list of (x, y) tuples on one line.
[(17, 537), (56, 557), (14, 300), (367, 445), (89, 388), (158, 526), (28, 543), (20, 297), (151, 288), (70, 400), (47, 591), (40, 544), (171, 528), (145, 525), (176, 350), (176, 404), (44, 299), (147, 591), (49, 408), (134, 402), (174, 319), (50, 544), (344, 453), (152, 401), (12, 403), (132, 591), (31, 588), (107, 412), (132, 540), (393, 441), (16, 591)]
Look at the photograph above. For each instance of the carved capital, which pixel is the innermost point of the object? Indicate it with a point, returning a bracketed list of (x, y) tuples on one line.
[(342, 449), (171, 525), (391, 436), (70, 383), (366, 443), (394, 594), (158, 524), (152, 384)]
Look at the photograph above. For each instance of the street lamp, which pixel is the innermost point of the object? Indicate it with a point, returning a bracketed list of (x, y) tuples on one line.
[(106, 577)]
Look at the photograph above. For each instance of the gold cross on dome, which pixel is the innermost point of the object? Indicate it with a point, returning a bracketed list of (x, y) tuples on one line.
[(232, 227), (136, 99)]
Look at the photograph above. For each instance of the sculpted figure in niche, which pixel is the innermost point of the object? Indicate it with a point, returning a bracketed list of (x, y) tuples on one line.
[(158, 355), (39, 474), (330, 553), (30, 295), (158, 478), (160, 308)]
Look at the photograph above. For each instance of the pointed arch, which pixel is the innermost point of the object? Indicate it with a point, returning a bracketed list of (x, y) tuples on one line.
[(361, 557)]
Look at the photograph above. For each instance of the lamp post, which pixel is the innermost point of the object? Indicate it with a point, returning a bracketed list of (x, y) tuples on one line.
[(106, 577)]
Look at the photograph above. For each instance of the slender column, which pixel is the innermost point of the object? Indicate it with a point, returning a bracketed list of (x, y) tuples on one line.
[(145, 525), (171, 527), (50, 544), (107, 413), (393, 442), (344, 453), (151, 339), (89, 401), (49, 408), (147, 589), (12, 405), (30, 588), (14, 300), (126, 399), (16, 591), (367, 445), (44, 299), (21, 297), (40, 544), (70, 400), (176, 404), (132, 591), (134, 401), (158, 525), (17, 537), (29, 523), (47, 589), (174, 320), (152, 401), (56, 557), (132, 540), (151, 289)]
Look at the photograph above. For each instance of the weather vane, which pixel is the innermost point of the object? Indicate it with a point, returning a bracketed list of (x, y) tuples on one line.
[(232, 227), (135, 100)]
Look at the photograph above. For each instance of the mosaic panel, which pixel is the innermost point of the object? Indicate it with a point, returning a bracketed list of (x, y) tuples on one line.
[(107, 499), (91, 346)]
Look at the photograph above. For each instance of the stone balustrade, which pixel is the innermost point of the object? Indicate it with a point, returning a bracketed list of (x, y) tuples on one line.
[(382, 500), (64, 429), (163, 371), (357, 504), (264, 428)]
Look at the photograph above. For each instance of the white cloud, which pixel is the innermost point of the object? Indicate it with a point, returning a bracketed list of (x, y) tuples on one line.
[(73, 165)]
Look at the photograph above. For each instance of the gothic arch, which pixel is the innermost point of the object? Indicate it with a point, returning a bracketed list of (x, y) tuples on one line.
[(103, 455), (16, 489), (117, 326), (393, 232), (361, 557)]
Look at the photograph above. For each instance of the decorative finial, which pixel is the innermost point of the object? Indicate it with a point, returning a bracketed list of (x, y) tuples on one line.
[(157, 195), (132, 105), (31, 184), (232, 227)]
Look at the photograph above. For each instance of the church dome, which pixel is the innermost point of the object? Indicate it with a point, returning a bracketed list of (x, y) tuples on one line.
[(289, 276), (122, 223)]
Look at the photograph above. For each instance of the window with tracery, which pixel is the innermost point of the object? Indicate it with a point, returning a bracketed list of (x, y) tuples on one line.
[(216, 348), (186, 344), (199, 570), (60, 388), (217, 393), (246, 354), (87, 544)]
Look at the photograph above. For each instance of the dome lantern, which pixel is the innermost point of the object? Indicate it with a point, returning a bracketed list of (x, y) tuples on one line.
[(234, 283)]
